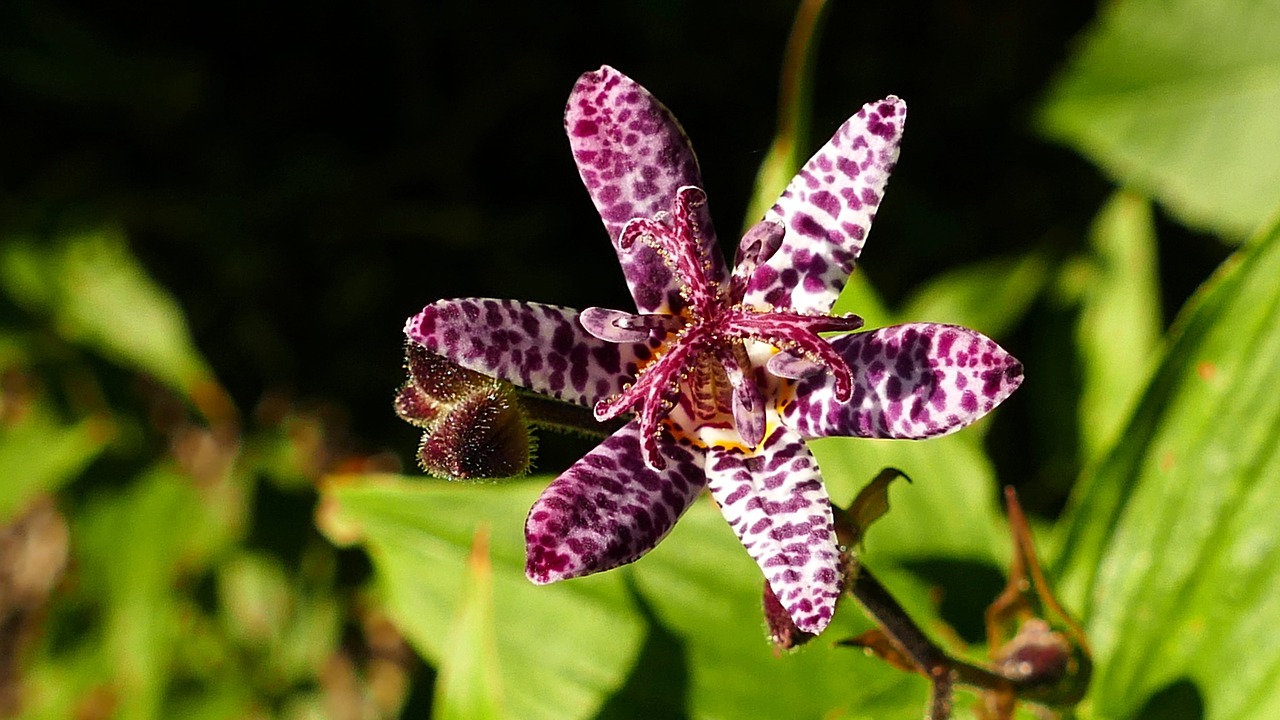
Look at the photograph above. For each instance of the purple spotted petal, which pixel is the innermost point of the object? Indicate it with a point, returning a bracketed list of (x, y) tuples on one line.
[(775, 501), (609, 508), (828, 209), (633, 156), (913, 381), (539, 347)]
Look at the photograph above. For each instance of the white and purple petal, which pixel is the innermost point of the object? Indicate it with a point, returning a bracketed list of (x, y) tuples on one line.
[(542, 348), (609, 508), (912, 381), (633, 156), (775, 502), (828, 209)]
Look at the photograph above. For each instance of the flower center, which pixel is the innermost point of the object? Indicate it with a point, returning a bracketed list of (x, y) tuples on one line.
[(704, 361)]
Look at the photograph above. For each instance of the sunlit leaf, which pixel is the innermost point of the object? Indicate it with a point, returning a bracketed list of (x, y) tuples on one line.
[(704, 588), (469, 685), (1172, 540), (1120, 321), (953, 494), (1179, 98), (860, 298), (563, 648), (991, 296)]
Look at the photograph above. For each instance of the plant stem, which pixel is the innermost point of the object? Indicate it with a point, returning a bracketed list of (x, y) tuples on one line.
[(942, 670), (548, 414)]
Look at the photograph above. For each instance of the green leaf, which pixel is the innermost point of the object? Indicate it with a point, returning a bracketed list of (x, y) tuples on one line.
[(1172, 540), (469, 685), (991, 297), (790, 147), (1179, 98), (39, 454), (563, 648), (1120, 324), (953, 493), (704, 588), (100, 295), (132, 548), (860, 298)]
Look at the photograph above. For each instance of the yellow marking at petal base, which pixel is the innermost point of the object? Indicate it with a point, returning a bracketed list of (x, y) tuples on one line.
[(728, 438)]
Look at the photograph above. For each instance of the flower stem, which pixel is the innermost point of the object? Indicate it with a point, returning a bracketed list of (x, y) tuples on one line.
[(942, 670), (548, 414)]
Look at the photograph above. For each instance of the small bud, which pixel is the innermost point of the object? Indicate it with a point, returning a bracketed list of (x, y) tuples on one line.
[(416, 407), (1036, 657), (474, 425), (870, 504), (482, 436), (440, 379), (1048, 657)]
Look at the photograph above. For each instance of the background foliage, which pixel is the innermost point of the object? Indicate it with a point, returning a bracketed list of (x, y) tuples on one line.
[(214, 218)]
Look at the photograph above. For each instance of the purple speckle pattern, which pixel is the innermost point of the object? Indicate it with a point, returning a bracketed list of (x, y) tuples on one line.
[(609, 508), (828, 209), (539, 347), (775, 501), (913, 381), (632, 156)]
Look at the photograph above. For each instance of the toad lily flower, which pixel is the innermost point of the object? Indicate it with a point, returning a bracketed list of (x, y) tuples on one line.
[(725, 371)]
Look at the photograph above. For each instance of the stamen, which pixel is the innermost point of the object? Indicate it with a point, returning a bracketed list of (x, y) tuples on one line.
[(701, 368), (681, 247), (759, 244), (787, 364), (797, 332), (748, 401), (620, 327)]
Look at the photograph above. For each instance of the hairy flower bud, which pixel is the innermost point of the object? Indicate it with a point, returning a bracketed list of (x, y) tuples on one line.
[(474, 425)]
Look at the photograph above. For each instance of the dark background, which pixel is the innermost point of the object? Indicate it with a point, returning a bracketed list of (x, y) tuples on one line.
[(304, 178)]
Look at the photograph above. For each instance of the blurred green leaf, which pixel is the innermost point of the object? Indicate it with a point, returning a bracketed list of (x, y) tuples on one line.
[(39, 454), (1179, 98), (860, 298), (134, 551), (469, 685), (1120, 323), (790, 147), (991, 297), (254, 593), (131, 548), (563, 648), (100, 295), (285, 629), (1172, 540), (953, 494), (61, 687)]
